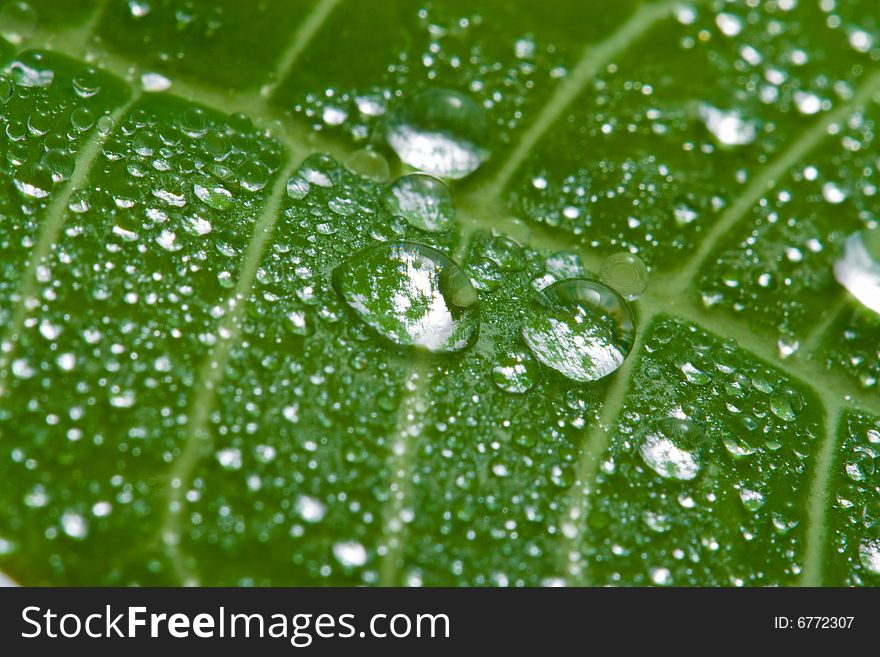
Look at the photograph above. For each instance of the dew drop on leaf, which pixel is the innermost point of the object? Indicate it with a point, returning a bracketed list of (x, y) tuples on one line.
[(626, 273), (439, 131), (370, 164), (34, 180), (423, 200), (671, 448), (858, 268), (579, 327), (412, 295), (515, 372)]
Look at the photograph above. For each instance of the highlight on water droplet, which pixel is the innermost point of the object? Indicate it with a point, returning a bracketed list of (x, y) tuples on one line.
[(411, 294), (626, 273), (671, 448), (579, 327), (440, 131), (423, 200), (858, 267)]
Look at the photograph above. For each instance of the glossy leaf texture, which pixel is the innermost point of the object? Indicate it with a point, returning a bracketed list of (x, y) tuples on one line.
[(233, 351)]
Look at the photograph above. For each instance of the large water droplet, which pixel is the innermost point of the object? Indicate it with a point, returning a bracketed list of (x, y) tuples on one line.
[(671, 448), (439, 131), (580, 328), (31, 70), (727, 127), (423, 200), (858, 268), (411, 294)]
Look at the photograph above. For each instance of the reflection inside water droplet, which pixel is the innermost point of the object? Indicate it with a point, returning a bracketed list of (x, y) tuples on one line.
[(858, 268), (412, 295), (671, 448), (423, 200), (439, 131), (580, 328)]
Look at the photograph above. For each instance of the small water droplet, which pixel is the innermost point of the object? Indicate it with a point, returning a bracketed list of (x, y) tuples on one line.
[(439, 131), (728, 128), (214, 195), (310, 509), (580, 328), (350, 553), (412, 295), (515, 372), (153, 82), (74, 525), (86, 83), (671, 448), (298, 188), (858, 268), (34, 180), (485, 274), (626, 273), (423, 200)]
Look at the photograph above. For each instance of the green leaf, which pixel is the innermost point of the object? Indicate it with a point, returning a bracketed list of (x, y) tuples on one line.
[(213, 325)]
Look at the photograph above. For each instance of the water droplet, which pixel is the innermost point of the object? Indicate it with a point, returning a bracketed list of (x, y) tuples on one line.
[(752, 500), (580, 328), (213, 195), (34, 180), (671, 448), (728, 128), (74, 525), (350, 553), (806, 102), (858, 268), (411, 294), (60, 163), (298, 188), (515, 372), (729, 24), (86, 83), (310, 509), (30, 70), (370, 164), (423, 200), (626, 273), (485, 274), (18, 22), (506, 253), (153, 82), (833, 194), (439, 131)]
